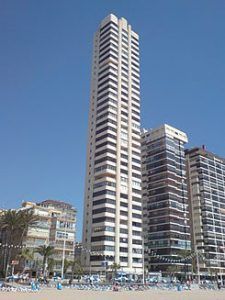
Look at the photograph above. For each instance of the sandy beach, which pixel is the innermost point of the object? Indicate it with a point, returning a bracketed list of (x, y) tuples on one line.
[(67, 294)]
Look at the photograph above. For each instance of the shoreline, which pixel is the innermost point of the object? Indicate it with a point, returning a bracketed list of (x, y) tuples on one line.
[(71, 294)]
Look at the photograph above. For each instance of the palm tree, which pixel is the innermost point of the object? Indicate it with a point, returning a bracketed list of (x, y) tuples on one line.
[(27, 218), (46, 252), (173, 270), (13, 226), (26, 255), (51, 264), (115, 267), (9, 223), (13, 222), (67, 264), (184, 254), (77, 268)]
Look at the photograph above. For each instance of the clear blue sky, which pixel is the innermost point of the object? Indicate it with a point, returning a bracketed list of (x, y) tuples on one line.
[(45, 63)]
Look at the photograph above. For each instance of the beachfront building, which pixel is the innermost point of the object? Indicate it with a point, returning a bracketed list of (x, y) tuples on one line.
[(56, 226), (112, 221), (165, 203), (206, 181)]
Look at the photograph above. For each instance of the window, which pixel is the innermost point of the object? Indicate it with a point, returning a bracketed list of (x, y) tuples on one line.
[(106, 128), (103, 209), (124, 196), (124, 230), (108, 56), (106, 143), (136, 224), (136, 242), (107, 75), (111, 24), (136, 233), (108, 80), (104, 201), (105, 167), (137, 216), (137, 207), (104, 192), (123, 240), (105, 122), (123, 213), (102, 238), (103, 219), (107, 135), (104, 183), (123, 249), (104, 152), (103, 228)]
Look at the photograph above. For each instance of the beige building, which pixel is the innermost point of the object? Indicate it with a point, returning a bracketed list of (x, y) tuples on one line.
[(112, 222), (56, 227)]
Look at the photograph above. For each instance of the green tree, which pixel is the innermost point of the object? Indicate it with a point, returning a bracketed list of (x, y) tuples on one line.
[(13, 226), (184, 254), (51, 264), (173, 270), (46, 252), (9, 223), (115, 267), (27, 219), (67, 264), (77, 268), (26, 255)]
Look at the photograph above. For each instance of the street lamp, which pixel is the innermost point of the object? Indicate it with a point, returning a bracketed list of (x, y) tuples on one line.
[(89, 251), (143, 259), (197, 263), (64, 246)]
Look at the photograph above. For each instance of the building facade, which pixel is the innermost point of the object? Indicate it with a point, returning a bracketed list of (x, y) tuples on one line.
[(206, 182), (56, 226), (112, 205), (165, 204)]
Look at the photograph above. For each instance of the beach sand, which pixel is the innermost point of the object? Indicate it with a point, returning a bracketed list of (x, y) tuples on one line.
[(67, 294)]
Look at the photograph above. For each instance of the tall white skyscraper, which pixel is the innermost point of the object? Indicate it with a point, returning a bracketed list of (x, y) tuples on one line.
[(112, 228)]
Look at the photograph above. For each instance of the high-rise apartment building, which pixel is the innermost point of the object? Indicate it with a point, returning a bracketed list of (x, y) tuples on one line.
[(206, 178), (164, 196), (112, 206)]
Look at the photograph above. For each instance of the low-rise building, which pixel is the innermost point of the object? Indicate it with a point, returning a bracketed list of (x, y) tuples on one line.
[(56, 226)]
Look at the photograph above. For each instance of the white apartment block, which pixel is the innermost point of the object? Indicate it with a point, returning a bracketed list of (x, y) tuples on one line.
[(112, 228)]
